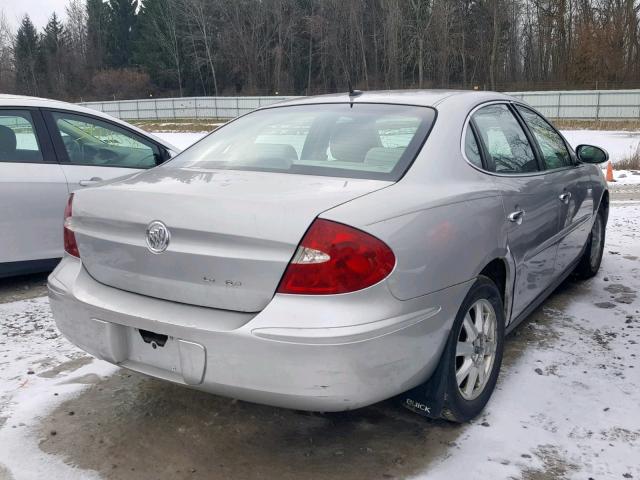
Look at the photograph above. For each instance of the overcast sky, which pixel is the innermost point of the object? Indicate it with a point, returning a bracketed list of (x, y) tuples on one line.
[(38, 10)]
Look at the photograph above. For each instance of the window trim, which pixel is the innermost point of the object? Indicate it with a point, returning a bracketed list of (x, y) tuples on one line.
[(45, 144), (564, 140), (509, 103), (535, 147), (479, 143), (61, 151), (470, 122)]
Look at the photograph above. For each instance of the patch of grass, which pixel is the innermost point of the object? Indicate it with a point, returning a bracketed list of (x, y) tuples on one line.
[(179, 125), (625, 125), (630, 162)]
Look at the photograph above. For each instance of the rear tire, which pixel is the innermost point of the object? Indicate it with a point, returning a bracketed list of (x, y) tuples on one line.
[(592, 257), (473, 354)]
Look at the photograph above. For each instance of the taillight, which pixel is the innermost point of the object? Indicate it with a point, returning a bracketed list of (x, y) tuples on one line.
[(70, 245), (335, 258)]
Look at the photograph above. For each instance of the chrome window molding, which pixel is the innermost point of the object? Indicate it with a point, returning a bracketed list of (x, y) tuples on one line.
[(498, 174)]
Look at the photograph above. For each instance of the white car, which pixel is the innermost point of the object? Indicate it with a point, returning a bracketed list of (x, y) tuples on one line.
[(47, 150)]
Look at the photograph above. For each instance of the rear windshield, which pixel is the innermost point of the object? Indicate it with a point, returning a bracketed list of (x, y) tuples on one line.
[(360, 140)]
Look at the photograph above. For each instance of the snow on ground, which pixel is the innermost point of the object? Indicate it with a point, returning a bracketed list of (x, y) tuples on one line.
[(567, 404), (180, 139), (578, 415), (619, 144), (35, 362), (624, 177)]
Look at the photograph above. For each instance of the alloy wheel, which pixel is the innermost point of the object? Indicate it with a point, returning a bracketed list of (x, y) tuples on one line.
[(476, 349), (596, 242)]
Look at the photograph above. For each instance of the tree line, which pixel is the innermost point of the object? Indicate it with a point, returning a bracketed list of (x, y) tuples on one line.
[(117, 49)]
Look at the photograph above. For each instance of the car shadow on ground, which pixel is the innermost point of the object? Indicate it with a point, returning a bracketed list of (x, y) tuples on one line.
[(23, 287), (130, 426)]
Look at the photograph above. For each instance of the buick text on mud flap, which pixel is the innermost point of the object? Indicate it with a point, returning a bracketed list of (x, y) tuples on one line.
[(417, 405)]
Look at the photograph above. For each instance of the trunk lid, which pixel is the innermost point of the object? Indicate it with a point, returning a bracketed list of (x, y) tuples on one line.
[(232, 233)]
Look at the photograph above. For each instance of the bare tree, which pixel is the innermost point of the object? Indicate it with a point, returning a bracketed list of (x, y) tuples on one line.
[(76, 29), (7, 74), (164, 28), (419, 23), (197, 12)]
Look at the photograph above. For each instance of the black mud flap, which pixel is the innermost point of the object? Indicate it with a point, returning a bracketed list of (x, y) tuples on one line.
[(429, 398)]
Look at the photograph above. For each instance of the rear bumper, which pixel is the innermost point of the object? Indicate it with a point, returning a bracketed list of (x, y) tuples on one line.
[(371, 347)]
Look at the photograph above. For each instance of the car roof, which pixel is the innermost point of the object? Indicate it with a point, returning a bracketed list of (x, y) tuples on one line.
[(19, 101), (425, 98)]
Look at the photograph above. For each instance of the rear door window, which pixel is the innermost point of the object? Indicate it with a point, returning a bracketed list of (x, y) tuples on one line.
[(554, 150), (506, 144), (340, 140), (18, 139), (90, 141)]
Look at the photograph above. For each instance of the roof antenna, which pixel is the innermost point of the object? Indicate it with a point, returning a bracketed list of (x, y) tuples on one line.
[(352, 92)]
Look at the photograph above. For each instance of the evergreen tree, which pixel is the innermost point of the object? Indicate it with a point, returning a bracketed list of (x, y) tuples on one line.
[(25, 57), (52, 65), (121, 32), (159, 47), (53, 37), (97, 33)]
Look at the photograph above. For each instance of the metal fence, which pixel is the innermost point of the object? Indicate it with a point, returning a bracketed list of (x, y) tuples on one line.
[(223, 108), (585, 104), (579, 105)]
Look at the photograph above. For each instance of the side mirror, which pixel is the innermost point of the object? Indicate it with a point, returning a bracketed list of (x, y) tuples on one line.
[(591, 154), (164, 155)]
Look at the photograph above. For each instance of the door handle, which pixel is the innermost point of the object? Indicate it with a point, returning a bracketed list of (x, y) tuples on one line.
[(516, 217), (564, 197), (91, 181)]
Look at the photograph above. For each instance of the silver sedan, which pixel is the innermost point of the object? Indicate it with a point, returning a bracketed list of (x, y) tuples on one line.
[(331, 252)]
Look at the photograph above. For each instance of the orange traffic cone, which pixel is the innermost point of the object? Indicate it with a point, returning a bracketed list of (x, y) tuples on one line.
[(610, 173)]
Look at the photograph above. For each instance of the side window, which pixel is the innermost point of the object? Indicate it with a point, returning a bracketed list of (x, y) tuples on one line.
[(89, 141), (471, 149), (18, 140), (554, 150), (507, 145)]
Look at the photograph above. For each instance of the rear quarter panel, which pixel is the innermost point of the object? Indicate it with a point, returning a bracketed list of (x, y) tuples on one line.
[(444, 220), (442, 233), (439, 246)]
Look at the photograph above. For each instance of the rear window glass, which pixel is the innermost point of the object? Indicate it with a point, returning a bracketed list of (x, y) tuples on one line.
[(339, 140)]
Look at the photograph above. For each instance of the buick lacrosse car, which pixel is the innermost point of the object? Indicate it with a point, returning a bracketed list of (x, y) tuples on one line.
[(48, 149), (331, 252)]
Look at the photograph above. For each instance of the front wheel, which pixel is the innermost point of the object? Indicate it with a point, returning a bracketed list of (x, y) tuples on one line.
[(592, 257), (474, 352)]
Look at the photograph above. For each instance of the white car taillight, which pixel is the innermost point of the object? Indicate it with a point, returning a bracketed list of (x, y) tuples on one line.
[(70, 244)]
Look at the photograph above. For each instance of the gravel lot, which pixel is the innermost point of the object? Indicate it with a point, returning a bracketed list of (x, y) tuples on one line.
[(567, 404)]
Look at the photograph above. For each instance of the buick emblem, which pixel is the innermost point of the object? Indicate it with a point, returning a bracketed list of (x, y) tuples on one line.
[(158, 237)]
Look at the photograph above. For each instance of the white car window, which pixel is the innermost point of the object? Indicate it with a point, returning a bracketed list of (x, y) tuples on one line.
[(18, 140), (89, 141)]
